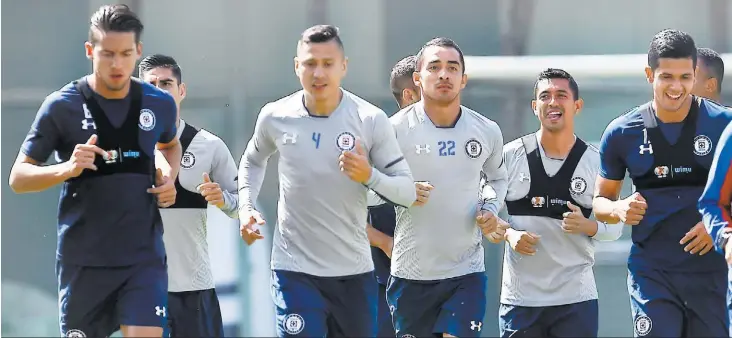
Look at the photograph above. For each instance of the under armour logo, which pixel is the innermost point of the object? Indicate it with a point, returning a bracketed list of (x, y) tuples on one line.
[(160, 311), (289, 138), (88, 123), (475, 326), (422, 148), (648, 149)]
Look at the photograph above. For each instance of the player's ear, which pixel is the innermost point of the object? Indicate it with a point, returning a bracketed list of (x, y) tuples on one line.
[(89, 50), (182, 90), (533, 107), (139, 49), (417, 79), (463, 81), (578, 105), (711, 84), (296, 64), (345, 65), (649, 74)]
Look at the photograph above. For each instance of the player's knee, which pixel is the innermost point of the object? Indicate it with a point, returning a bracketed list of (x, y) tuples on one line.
[(141, 331)]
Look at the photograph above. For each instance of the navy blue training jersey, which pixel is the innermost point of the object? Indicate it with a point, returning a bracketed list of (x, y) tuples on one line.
[(668, 164), (106, 218)]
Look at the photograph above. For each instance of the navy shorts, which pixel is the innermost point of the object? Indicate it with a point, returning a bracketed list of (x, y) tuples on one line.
[(383, 319), (570, 320), (677, 304), (312, 306), (97, 300), (430, 308), (195, 314)]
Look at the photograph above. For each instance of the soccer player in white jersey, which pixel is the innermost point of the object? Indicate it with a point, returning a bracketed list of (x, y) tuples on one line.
[(382, 217), (438, 281), (207, 176), (333, 147), (548, 284)]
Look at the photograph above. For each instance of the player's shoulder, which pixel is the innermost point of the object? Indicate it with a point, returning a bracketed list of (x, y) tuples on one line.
[(211, 140), (155, 95), (284, 106), (592, 153), (630, 119), (475, 118), (402, 115), (716, 110), (365, 109), (515, 148), (63, 96)]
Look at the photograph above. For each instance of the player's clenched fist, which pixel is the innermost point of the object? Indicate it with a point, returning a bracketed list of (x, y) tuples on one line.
[(423, 193), (500, 233), (486, 221), (211, 191), (164, 190), (575, 222), (248, 221), (355, 163), (83, 157), (523, 242), (631, 209)]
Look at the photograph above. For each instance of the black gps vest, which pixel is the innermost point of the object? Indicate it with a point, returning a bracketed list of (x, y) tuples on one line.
[(185, 199)]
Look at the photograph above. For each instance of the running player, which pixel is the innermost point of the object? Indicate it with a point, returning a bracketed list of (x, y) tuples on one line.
[(548, 284), (322, 278), (382, 218), (709, 75), (667, 147), (104, 129), (438, 272), (207, 177)]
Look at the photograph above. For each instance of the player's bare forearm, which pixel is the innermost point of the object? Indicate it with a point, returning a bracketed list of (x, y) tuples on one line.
[(377, 238), (604, 202), (28, 175), (397, 187), (172, 152)]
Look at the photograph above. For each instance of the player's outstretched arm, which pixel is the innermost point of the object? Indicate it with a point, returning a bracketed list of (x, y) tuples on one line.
[(391, 177), (225, 174), (714, 204), (29, 175)]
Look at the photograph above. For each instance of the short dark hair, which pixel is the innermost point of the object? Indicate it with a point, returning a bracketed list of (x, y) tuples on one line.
[(713, 64), (441, 42), (115, 18), (556, 73), (671, 44), (161, 61), (321, 34), (401, 76)]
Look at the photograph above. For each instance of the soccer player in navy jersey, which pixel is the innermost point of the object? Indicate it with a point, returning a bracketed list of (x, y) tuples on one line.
[(709, 74), (382, 217), (677, 287), (105, 128)]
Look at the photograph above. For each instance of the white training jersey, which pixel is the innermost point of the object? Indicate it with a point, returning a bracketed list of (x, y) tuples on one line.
[(561, 270), (441, 239), (185, 222), (321, 211)]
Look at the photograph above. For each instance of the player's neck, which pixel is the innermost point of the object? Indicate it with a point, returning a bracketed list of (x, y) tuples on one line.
[(323, 107), (442, 115), (556, 144), (673, 116), (105, 92)]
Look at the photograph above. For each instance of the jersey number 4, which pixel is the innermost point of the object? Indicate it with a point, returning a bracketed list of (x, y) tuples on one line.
[(446, 148)]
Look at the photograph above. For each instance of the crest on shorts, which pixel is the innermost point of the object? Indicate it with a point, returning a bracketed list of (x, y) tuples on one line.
[(187, 160), (294, 323), (473, 148), (702, 145), (642, 325), (147, 119), (74, 333), (577, 186), (346, 141)]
